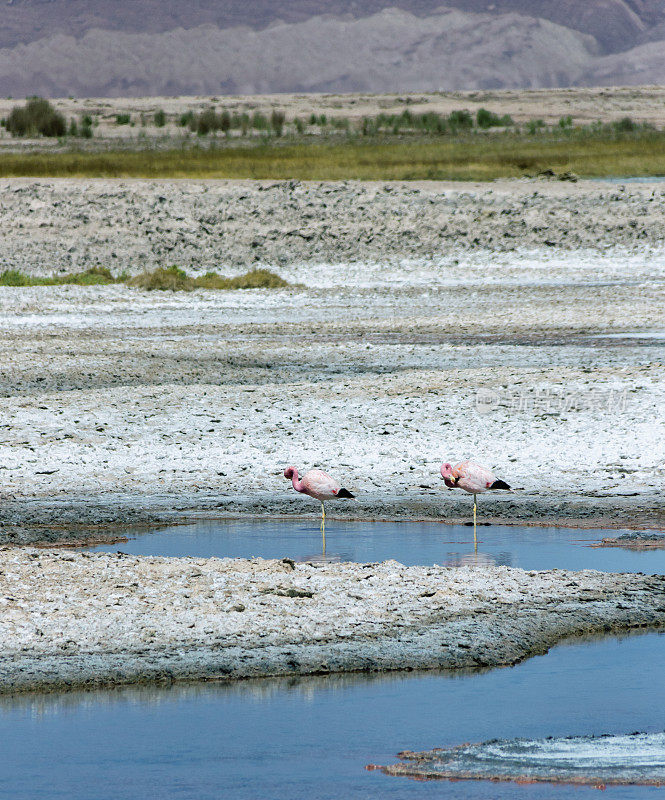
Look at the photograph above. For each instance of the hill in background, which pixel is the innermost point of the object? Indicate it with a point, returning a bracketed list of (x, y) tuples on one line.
[(147, 47)]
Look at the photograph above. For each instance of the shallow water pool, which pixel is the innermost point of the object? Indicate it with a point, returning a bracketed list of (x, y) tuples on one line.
[(310, 738), (406, 542)]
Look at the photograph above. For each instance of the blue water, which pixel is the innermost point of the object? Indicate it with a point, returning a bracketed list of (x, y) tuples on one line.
[(628, 179), (407, 542), (310, 739)]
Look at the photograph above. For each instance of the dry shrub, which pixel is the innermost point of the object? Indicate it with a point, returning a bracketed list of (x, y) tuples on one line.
[(254, 279), (163, 278)]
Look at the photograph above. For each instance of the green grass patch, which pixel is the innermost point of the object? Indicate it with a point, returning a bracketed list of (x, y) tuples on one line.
[(171, 279), (473, 157), (91, 277), (164, 278)]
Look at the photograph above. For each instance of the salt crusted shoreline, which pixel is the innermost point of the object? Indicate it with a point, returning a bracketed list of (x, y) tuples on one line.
[(519, 323), (75, 520), (82, 620)]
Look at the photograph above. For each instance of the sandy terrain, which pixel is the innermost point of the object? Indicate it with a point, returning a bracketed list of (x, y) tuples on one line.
[(520, 323), (132, 620), (643, 103)]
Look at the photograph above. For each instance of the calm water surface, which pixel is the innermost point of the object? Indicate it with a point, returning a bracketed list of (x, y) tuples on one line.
[(407, 542), (310, 739)]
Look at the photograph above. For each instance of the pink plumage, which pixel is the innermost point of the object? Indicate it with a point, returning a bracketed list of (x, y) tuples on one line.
[(317, 484), (471, 477)]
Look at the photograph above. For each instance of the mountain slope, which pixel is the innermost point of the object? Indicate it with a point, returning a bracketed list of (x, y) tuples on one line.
[(392, 50), (616, 24), (140, 47)]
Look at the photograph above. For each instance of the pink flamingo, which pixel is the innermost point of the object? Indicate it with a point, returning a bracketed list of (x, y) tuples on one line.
[(472, 478), (319, 485)]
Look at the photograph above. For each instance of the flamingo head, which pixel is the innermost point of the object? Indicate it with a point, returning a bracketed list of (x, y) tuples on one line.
[(289, 472), (447, 475)]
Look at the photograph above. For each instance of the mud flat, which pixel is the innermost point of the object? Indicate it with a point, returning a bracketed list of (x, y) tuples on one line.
[(134, 620), (520, 323)]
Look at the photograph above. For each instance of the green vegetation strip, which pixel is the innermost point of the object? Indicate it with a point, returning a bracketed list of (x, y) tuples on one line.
[(481, 157), (164, 278)]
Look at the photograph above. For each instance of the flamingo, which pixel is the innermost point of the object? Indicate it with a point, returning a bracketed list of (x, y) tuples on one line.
[(472, 478), (319, 485)]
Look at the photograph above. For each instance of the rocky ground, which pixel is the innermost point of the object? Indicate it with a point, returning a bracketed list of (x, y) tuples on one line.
[(519, 323), (133, 620)]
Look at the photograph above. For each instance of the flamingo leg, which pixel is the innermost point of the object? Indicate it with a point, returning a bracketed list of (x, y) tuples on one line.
[(475, 537), (323, 526)]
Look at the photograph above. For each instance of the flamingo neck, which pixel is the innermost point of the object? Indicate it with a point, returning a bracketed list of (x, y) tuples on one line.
[(297, 484)]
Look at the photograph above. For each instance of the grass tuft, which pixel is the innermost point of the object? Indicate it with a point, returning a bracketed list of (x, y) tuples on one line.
[(254, 279), (91, 277), (171, 279), (175, 279), (94, 276), (12, 277)]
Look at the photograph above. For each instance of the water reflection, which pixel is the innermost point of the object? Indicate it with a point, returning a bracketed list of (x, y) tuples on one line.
[(407, 542), (259, 689), (323, 558), (476, 559)]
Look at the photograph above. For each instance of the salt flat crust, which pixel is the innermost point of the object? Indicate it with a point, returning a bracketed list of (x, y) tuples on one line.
[(80, 619)]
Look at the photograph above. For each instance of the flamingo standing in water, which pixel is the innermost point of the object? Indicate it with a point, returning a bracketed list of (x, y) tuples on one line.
[(472, 478), (319, 485)]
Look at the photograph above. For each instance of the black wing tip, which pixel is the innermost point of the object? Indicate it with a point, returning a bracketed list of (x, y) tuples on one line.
[(345, 493), (499, 485)]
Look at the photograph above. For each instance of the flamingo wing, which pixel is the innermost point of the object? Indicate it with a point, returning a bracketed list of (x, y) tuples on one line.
[(320, 485), (472, 477)]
